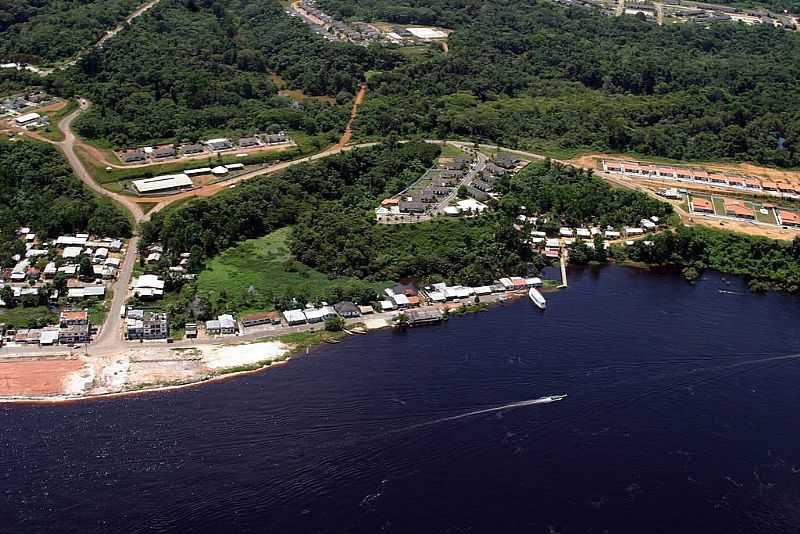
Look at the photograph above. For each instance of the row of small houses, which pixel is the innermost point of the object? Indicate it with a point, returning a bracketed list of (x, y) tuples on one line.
[(552, 245), (73, 327), (166, 152), (699, 176), (356, 31), (452, 171), (739, 209), (401, 297)]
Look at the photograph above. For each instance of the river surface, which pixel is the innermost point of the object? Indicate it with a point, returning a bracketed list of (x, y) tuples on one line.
[(683, 416)]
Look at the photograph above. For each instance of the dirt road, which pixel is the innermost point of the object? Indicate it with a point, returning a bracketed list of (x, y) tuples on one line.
[(109, 339), (67, 146), (348, 130), (137, 13)]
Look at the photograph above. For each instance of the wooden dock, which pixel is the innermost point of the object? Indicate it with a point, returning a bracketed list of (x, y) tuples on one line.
[(563, 258)]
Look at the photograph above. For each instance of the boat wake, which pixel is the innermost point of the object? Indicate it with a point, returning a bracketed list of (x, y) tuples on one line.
[(726, 292), (504, 407)]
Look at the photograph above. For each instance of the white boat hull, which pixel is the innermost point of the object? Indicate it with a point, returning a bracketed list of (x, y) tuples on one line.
[(537, 298)]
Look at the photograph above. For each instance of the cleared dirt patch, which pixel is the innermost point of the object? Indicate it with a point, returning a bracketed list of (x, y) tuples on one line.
[(36, 378)]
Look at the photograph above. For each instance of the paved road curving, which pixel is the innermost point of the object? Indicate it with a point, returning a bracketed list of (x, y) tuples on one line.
[(108, 338), (68, 147)]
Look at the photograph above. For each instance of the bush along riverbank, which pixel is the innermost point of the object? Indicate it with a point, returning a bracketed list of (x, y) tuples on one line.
[(765, 263)]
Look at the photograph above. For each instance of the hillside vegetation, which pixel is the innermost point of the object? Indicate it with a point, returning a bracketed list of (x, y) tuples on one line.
[(357, 178), (575, 197), (537, 75), (765, 263)]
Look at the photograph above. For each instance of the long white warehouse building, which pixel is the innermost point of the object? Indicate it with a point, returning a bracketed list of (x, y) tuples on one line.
[(162, 184)]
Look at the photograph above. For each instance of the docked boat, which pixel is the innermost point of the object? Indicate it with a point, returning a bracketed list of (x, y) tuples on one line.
[(537, 298)]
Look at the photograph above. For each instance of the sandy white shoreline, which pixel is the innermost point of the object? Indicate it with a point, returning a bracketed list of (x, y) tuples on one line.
[(115, 377), (160, 368)]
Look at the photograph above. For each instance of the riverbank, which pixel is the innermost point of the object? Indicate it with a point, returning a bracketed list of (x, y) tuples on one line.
[(159, 367), (152, 368)]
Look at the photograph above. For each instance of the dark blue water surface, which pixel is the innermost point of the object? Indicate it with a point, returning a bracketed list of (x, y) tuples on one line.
[(682, 416)]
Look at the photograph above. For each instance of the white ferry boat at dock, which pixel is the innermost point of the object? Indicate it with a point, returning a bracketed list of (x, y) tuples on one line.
[(537, 298)]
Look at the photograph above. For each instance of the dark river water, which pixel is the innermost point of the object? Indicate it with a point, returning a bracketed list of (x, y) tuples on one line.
[(683, 416)]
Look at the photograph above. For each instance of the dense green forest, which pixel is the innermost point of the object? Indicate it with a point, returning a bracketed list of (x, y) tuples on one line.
[(574, 197), (456, 12), (347, 242), (191, 67), (344, 242), (766, 263), (36, 31), (536, 75), (38, 189), (527, 74)]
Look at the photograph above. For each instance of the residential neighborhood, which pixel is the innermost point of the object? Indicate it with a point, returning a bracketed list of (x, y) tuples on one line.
[(69, 274), (458, 185), (688, 11)]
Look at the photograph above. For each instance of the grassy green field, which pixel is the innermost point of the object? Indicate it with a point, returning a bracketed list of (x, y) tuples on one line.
[(769, 218), (249, 273), (105, 177), (420, 51), (719, 205), (98, 309), (449, 151), (33, 317)]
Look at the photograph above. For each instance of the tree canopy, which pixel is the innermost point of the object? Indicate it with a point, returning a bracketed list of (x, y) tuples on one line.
[(37, 31), (575, 197), (537, 75)]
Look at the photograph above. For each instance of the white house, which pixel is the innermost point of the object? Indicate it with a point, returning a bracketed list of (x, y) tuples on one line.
[(294, 317)]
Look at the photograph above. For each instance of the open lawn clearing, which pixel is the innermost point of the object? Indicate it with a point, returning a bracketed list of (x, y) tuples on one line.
[(99, 171), (449, 151), (719, 205), (768, 218), (27, 317), (250, 275)]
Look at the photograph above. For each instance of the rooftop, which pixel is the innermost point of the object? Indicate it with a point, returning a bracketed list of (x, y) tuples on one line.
[(160, 183)]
